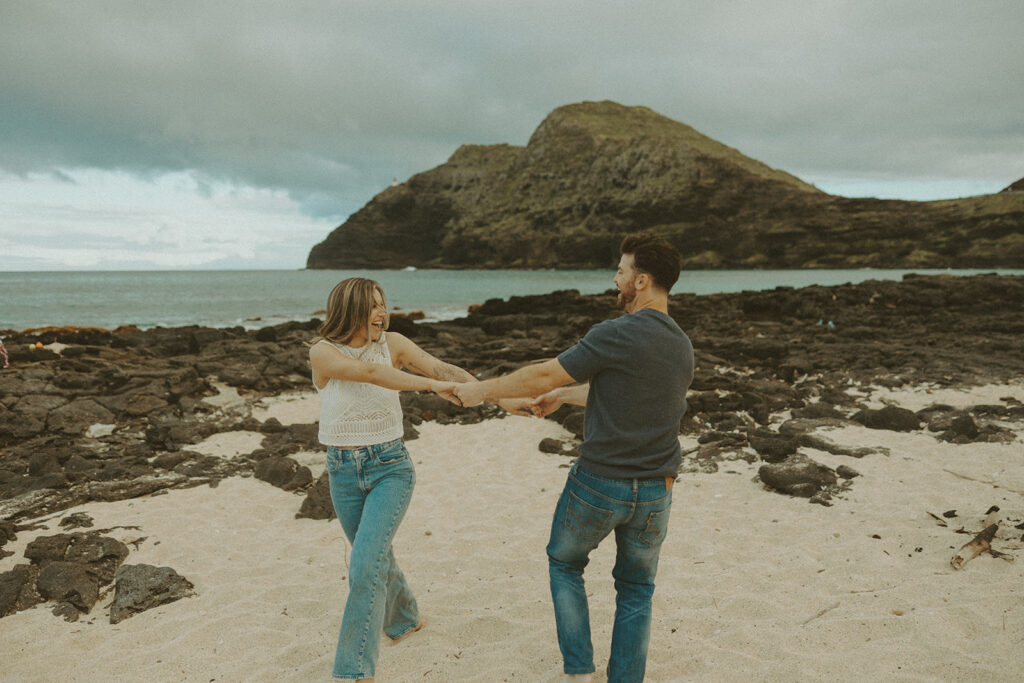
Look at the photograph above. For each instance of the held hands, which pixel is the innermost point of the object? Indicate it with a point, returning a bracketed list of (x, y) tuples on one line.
[(446, 390), (517, 406), (469, 393)]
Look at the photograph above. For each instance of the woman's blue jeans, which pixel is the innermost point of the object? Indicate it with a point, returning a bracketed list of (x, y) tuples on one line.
[(590, 508), (371, 488)]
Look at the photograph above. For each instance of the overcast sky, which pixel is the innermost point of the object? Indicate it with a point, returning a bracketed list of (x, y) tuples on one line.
[(202, 134)]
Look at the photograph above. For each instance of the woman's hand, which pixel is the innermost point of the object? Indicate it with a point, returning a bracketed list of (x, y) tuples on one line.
[(545, 404), (445, 390)]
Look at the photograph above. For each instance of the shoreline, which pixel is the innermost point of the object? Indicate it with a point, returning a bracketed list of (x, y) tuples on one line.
[(263, 312)]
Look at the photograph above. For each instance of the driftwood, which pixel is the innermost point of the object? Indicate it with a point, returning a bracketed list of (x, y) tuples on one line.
[(976, 546)]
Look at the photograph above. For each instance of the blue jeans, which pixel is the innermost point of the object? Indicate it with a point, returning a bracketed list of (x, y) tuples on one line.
[(371, 488), (590, 508)]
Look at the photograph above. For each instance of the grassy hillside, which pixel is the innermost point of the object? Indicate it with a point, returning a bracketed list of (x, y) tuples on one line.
[(595, 171)]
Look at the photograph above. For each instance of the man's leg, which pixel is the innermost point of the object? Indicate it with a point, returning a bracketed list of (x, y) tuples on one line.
[(582, 519), (638, 545)]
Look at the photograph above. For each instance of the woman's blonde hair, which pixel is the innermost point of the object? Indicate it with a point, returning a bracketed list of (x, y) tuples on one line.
[(349, 306)]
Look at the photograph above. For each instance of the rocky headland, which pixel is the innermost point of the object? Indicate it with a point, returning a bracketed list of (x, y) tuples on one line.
[(98, 415), (594, 171)]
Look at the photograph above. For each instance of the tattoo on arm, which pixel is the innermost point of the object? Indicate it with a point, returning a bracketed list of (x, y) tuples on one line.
[(440, 370), (415, 367), (451, 373)]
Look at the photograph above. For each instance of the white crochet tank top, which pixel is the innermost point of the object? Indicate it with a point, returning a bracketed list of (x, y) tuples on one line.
[(359, 413)]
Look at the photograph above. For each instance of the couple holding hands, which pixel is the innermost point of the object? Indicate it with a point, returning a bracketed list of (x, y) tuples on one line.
[(631, 373)]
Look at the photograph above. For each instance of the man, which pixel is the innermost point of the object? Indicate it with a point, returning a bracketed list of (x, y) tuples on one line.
[(635, 371)]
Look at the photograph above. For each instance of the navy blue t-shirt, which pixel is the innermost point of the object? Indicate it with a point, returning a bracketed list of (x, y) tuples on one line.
[(639, 367)]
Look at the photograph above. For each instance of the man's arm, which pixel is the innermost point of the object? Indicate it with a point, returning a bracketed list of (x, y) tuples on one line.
[(532, 380)]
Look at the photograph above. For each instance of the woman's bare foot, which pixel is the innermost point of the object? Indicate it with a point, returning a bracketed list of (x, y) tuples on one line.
[(579, 678), (417, 627)]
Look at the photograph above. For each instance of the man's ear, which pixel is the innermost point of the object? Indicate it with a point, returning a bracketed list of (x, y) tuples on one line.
[(643, 281)]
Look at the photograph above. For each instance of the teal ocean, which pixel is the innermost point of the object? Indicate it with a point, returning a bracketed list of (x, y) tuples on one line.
[(259, 298)]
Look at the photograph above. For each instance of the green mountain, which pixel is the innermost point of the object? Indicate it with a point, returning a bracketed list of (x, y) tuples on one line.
[(595, 171)]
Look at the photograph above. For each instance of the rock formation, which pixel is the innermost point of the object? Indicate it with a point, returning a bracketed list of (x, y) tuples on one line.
[(759, 354), (1015, 187), (595, 171)]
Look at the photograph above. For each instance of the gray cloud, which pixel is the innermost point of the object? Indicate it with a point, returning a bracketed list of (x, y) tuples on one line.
[(330, 100)]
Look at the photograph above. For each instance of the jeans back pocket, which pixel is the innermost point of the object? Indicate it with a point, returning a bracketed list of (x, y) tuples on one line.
[(656, 528), (588, 522)]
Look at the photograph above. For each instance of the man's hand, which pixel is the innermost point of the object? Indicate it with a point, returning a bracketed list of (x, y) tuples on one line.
[(470, 393), (545, 404), (517, 406)]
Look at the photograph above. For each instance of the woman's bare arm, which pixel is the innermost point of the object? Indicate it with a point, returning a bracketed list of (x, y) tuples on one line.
[(406, 353), (329, 363)]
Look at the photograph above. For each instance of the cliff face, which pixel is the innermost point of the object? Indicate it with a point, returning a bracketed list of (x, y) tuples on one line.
[(1015, 187), (595, 171)]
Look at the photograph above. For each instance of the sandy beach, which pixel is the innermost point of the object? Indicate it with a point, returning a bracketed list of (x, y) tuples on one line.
[(753, 585)]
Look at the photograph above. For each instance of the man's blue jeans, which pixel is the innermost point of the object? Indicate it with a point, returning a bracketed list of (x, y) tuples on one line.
[(371, 488), (591, 507)]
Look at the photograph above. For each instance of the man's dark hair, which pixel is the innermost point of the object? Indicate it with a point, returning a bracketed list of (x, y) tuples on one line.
[(654, 256)]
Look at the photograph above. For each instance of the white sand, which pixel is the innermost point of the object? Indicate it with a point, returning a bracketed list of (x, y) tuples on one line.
[(290, 408), (228, 444), (753, 585)]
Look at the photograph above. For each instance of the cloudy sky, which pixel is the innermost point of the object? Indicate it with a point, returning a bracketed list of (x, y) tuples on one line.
[(201, 134)]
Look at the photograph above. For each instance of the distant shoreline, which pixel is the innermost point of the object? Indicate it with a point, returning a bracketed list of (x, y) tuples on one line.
[(442, 268), (256, 299)]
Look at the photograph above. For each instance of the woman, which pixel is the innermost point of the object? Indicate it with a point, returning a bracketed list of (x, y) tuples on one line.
[(356, 371)]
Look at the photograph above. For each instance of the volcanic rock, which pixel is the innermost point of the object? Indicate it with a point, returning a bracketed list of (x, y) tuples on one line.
[(283, 473), (69, 582), (293, 438), (102, 555), (847, 472), (797, 477), (78, 520), (75, 417), (884, 333), (317, 504), (1014, 187), (18, 589), (558, 447), (772, 447), (890, 417), (140, 587)]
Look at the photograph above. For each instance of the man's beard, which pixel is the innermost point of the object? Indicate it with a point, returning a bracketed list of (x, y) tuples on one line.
[(625, 299)]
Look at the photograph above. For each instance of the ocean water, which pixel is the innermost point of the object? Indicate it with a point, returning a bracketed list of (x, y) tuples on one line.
[(259, 298)]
